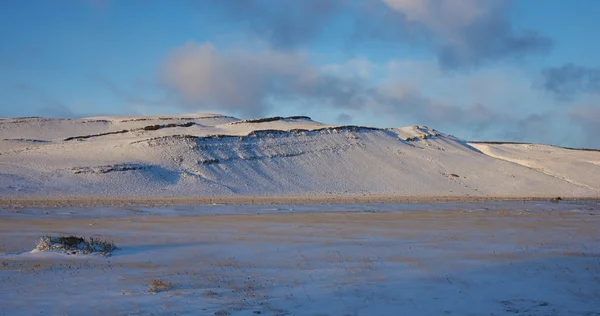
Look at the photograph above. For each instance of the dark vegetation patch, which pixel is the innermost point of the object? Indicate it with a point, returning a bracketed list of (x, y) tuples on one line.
[(27, 119), (160, 119), (176, 118), (137, 120), (161, 138), (96, 135), (75, 245), (108, 168), (209, 161), (157, 127), (348, 128), (26, 140), (272, 119), (96, 121), (145, 128)]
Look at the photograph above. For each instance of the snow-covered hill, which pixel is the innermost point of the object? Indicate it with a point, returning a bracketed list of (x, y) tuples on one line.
[(210, 155)]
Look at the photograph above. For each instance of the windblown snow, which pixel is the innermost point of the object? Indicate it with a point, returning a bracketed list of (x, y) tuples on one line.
[(213, 155)]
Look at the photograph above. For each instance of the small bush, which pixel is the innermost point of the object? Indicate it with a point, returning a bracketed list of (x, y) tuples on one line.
[(75, 245), (157, 285)]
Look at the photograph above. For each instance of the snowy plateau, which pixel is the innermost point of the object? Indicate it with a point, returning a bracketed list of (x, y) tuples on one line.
[(212, 155)]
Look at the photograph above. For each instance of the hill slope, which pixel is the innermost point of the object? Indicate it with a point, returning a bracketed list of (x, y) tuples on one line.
[(204, 155)]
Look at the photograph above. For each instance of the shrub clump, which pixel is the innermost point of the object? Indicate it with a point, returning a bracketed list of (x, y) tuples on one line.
[(157, 285), (75, 245)]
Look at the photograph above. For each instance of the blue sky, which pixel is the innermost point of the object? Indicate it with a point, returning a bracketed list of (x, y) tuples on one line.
[(479, 69)]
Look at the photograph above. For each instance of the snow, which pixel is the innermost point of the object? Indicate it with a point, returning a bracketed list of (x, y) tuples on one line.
[(213, 155), (501, 258), (561, 163), (290, 258)]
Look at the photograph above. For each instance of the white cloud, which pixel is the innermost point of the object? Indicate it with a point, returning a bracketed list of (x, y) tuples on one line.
[(206, 77), (247, 82)]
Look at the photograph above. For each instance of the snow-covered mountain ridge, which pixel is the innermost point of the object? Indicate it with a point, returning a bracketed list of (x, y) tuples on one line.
[(213, 155)]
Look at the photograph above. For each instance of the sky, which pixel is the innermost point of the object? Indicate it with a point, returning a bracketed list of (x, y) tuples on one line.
[(501, 70)]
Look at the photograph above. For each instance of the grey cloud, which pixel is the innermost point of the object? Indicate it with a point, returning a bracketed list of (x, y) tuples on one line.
[(490, 41), (569, 80), (463, 33)]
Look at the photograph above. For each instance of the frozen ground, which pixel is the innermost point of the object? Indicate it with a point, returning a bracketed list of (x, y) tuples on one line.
[(212, 155), (502, 258)]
